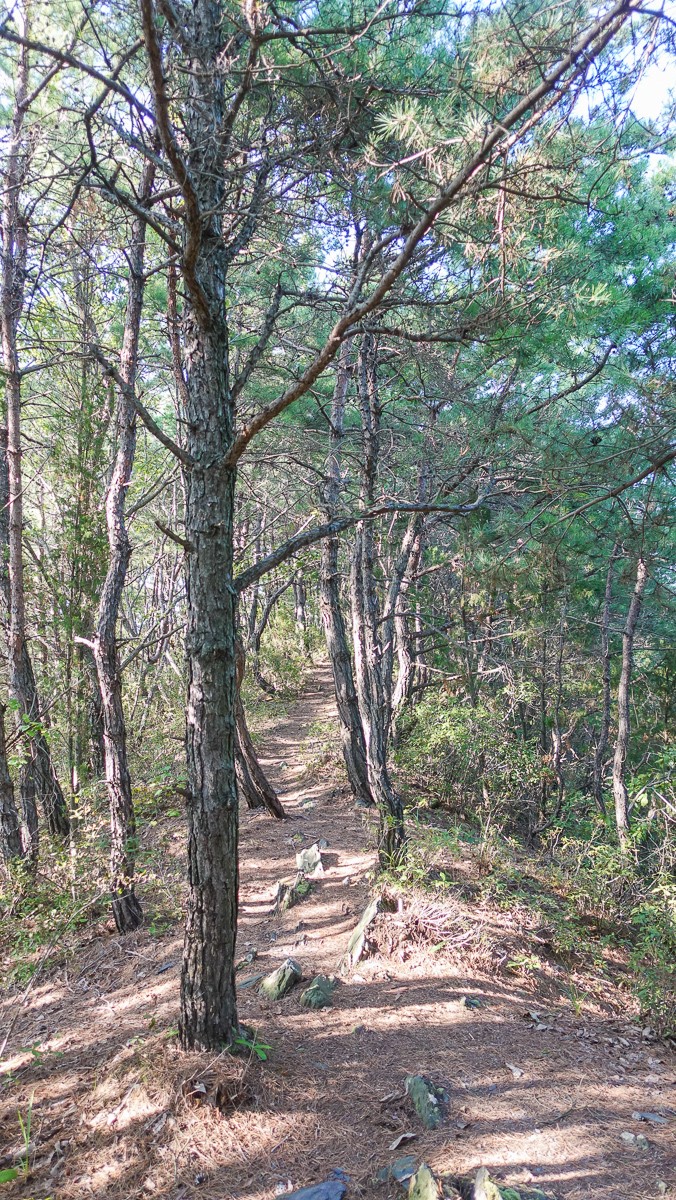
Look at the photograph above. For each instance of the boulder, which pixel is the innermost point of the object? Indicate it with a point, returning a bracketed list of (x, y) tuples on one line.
[(320, 992), (280, 982)]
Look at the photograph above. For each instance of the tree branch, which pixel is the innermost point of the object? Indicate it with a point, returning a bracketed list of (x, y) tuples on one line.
[(583, 51), (574, 387), (302, 540), (193, 217), (149, 421)]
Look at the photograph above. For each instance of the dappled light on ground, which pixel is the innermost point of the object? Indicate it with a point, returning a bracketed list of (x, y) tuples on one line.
[(542, 1101)]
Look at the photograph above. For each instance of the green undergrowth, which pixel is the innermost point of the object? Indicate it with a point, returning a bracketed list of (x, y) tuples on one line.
[(476, 795), (46, 913), (288, 657)]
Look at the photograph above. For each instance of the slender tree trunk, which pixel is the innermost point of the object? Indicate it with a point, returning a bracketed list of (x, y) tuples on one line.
[(300, 603), (126, 907), (406, 663), (254, 785), (604, 731), (620, 793), (259, 629), (423, 673), (38, 779), (10, 833), (371, 700), (256, 624), (473, 688), (367, 646), (409, 549), (544, 782), (351, 733), (352, 737), (394, 624), (95, 754), (403, 689), (557, 736), (29, 812)]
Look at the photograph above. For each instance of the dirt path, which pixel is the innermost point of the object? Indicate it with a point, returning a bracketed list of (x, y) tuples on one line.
[(110, 1113)]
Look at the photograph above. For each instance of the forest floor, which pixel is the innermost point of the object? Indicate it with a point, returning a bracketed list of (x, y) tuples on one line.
[(543, 1078)]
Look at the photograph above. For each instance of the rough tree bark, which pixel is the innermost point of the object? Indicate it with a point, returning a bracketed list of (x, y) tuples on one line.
[(38, 778), (604, 731), (126, 907), (208, 1016), (352, 737), (620, 794)]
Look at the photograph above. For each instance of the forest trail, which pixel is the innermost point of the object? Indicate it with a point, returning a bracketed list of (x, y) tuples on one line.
[(542, 1102)]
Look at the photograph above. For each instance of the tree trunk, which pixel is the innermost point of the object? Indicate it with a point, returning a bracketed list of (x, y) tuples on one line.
[(395, 627), (38, 779), (544, 779), (254, 786), (604, 731), (557, 736), (10, 833), (126, 907), (367, 646), (371, 701), (208, 1017), (300, 604), (620, 793), (258, 630), (411, 536), (352, 737), (403, 689), (406, 663)]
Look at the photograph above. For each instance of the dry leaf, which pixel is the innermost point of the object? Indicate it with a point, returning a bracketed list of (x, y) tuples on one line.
[(403, 1137)]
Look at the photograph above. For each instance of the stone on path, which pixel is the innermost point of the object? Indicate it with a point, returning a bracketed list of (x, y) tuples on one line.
[(426, 1098), (277, 985), (309, 861), (331, 1190), (320, 992), (400, 1170), (358, 943), (424, 1185), (289, 892), (484, 1188)]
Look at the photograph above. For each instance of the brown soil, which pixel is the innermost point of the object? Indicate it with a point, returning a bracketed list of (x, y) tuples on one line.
[(118, 1111)]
